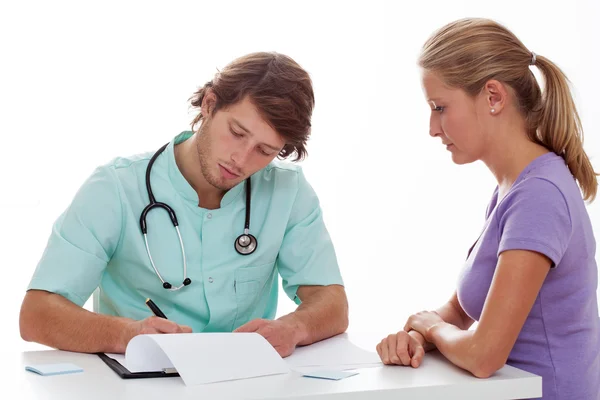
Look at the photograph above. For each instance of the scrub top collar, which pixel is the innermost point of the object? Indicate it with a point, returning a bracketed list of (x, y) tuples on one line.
[(181, 185)]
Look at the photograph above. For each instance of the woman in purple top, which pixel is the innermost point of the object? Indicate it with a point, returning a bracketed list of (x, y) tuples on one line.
[(530, 279)]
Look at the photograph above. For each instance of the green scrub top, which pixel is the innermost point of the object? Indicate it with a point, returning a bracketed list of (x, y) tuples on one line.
[(97, 243)]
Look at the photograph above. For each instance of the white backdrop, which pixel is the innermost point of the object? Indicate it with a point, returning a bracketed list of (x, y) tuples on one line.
[(81, 83)]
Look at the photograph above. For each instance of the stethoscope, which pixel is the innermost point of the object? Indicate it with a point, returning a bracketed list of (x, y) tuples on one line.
[(245, 244)]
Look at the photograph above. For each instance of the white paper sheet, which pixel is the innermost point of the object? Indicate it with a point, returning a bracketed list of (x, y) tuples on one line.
[(214, 357), (333, 353), (121, 359), (205, 357)]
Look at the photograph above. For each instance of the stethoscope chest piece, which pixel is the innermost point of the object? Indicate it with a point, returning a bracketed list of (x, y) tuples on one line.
[(245, 244)]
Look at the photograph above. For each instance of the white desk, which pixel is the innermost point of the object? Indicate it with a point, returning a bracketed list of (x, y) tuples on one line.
[(436, 379)]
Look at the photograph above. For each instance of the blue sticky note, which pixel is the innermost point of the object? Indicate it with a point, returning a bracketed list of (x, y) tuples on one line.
[(54, 369), (333, 375)]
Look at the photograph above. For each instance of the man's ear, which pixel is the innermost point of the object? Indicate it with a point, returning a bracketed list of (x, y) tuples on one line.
[(209, 101)]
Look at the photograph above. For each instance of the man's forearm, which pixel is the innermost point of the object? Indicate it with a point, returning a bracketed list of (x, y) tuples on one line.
[(322, 314), (54, 321)]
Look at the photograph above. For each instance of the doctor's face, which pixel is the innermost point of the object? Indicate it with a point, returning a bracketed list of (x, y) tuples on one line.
[(234, 143)]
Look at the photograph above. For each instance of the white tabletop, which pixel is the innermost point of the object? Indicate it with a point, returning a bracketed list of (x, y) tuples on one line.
[(436, 378)]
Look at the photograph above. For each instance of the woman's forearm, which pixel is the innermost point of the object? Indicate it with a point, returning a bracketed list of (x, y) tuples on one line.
[(462, 348)]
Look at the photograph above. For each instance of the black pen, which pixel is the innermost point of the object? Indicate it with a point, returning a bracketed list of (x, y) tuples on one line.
[(154, 308)]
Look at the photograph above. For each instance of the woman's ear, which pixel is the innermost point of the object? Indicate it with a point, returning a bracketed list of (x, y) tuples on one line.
[(496, 96)]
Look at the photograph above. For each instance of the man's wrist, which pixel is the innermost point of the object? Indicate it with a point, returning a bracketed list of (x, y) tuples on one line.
[(125, 329), (297, 325)]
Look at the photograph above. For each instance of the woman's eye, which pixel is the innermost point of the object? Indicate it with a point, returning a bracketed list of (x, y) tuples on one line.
[(439, 108)]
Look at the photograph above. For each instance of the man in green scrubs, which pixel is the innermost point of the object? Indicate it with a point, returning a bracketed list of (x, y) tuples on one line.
[(255, 110)]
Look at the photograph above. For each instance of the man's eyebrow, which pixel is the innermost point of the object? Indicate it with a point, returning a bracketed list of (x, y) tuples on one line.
[(271, 147), (235, 121), (241, 126)]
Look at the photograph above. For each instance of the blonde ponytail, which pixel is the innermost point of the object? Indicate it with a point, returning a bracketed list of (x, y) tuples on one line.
[(559, 127)]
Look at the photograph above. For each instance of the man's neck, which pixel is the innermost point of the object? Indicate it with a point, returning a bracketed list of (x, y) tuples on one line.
[(188, 162)]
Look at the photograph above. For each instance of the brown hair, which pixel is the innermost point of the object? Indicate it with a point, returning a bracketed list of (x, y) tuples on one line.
[(469, 52), (277, 86)]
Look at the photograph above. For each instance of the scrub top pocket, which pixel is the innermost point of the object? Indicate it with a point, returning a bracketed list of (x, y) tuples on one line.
[(252, 286)]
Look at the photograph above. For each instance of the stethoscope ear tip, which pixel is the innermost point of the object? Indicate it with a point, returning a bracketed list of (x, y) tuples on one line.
[(167, 285)]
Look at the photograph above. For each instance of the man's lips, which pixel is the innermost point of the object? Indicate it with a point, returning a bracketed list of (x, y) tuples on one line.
[(227, 173)]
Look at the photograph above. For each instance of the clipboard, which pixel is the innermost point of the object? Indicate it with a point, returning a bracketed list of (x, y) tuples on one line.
[(124, 373)]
